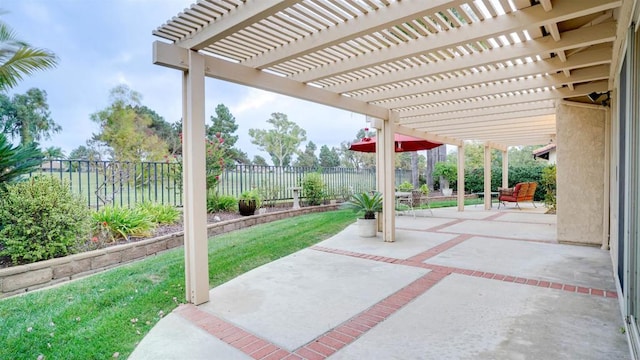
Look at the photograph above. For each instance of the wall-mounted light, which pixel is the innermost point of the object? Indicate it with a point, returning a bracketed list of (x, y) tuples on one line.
[(594, 96)]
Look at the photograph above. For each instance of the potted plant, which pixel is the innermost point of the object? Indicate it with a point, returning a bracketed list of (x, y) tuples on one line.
[(447, 172), (248, 202), (369, 204)]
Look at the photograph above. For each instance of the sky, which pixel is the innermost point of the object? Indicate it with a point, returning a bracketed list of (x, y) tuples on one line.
[(101, 44)]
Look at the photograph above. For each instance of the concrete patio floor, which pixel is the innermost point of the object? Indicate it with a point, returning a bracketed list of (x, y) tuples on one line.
[(455, 285)]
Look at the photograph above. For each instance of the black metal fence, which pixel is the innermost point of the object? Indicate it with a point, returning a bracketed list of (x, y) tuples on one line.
[(127, 183)]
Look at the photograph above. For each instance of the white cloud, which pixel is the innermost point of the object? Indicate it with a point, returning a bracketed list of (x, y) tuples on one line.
[(111, 45), (255, 99)]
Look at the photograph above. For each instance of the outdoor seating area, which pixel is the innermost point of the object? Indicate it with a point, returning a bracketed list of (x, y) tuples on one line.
[(481, 284), (521, 192)]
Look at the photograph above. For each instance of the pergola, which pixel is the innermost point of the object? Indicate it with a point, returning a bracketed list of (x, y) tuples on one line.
[(491, 71)]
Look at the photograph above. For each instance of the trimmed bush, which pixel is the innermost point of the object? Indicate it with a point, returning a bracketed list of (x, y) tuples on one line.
[(313, 188), (41, 219)]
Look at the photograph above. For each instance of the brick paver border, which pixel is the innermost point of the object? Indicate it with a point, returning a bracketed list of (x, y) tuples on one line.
[(349, 331), (324, 345)]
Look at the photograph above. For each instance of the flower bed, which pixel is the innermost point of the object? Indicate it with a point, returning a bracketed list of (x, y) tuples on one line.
[(23, 278)]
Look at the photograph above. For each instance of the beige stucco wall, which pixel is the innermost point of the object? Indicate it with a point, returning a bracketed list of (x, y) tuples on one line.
[(580, 173)]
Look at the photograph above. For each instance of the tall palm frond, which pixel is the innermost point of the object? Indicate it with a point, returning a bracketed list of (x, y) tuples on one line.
[(17, 161), (19, 59)]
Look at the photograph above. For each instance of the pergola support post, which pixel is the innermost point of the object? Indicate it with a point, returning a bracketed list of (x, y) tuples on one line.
[(194, 163), (460, 181), (487, 177), (505, 168), (387, 149)]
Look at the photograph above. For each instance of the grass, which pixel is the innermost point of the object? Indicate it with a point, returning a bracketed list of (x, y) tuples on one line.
[(442, 204), (98, 316)]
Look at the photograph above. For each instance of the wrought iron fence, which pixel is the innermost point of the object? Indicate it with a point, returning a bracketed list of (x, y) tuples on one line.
[(127, 183)]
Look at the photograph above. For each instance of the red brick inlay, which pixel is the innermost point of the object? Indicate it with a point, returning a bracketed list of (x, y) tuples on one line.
[(494, 216), (440, 248), (328, 343), (445, 225), (417, 261), (248, 343)]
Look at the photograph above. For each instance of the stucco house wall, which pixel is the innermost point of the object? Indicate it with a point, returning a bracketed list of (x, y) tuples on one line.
[(580, 173)]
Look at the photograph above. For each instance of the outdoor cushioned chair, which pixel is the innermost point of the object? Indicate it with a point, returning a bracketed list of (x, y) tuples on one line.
[(521, 192)]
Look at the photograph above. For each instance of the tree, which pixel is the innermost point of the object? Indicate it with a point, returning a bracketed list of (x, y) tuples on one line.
[(168, 132), (280, 142), (125, 131), (27, 116), (224, 124), (84, 153), (329, 157), (19, 59), (53, 152), (16, 161), (259, 161), (308, 158), (522, 156)]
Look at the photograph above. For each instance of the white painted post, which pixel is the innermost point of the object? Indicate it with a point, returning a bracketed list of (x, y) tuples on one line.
[(487, 177), (387, 146), (505, 168), (195, 207), (460, 194)]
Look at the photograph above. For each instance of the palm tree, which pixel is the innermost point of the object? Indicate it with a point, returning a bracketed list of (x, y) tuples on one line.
[(18, 58), (17, 161), (53, 153)]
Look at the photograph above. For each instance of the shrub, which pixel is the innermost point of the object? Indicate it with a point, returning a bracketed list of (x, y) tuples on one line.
[(549, 186), (217, 203), (41, 219), (160, 213), (113, 223), (448, 171), (312, 188), (405, 186), (424, 189)]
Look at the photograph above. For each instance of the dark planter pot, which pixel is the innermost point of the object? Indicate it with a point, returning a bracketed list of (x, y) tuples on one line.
[(246, 207)]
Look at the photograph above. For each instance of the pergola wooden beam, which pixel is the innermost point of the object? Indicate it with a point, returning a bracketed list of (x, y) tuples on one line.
[(589, 36), (252, 12), (173, 56), (477, 31), (593, 73), (552, 65), (383, 18), (580, 90)]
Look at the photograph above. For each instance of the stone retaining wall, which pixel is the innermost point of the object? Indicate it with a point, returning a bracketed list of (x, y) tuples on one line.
[(23, 278)]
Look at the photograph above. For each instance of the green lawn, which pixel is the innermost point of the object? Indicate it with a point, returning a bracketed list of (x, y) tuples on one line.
[(98, 316)]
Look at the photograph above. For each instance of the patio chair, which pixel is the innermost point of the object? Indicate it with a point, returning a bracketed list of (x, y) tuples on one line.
[(412, 200), (521, 192)]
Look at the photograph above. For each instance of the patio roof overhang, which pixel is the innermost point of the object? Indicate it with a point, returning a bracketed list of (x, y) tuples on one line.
[(483, 70), (444, 70)]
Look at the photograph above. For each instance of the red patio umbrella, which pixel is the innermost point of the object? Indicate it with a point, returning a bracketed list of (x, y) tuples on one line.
[(402, 143)]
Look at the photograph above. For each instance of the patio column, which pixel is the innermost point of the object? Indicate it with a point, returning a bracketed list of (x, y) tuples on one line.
[(487, 177), (460, 193), (387, 149), (195, 208), (505, 168)]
